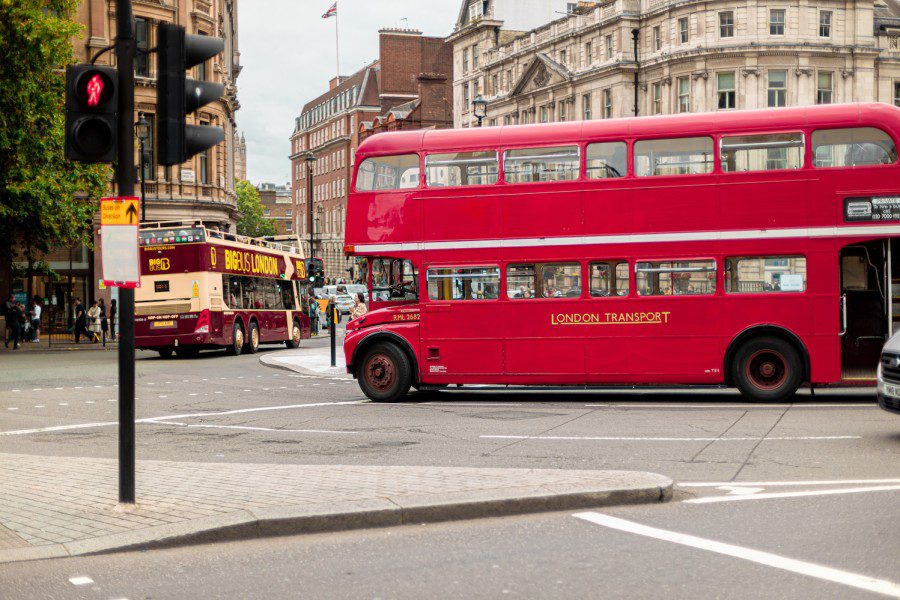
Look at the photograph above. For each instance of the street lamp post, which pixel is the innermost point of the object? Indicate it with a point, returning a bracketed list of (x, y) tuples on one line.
[(479, 108), (142, 128), (310, 160)]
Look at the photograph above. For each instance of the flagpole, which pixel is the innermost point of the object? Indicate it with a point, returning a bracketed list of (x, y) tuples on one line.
[(337, 44)]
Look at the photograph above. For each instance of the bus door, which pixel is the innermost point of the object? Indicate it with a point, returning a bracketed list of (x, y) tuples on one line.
[(461, 325), (865, 295)]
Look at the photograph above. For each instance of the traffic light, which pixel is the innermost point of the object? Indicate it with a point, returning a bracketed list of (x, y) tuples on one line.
[(92, 104), (315, 271), (177, 96)]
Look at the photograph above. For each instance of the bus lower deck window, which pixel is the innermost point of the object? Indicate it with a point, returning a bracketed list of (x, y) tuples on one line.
[(855, 147), (547, 280), (461, 169), (765, 274), (607, 160), (609, 279), (681, 278), (678, 156), (532, 165), (464, 283)]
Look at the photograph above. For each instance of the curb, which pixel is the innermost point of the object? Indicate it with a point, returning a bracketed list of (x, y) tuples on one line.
[(345, 516), (275, 363)]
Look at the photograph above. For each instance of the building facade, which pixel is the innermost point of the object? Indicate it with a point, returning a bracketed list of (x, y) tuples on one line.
[(278, 207), (240, 157), (407, 87), (617, 57)]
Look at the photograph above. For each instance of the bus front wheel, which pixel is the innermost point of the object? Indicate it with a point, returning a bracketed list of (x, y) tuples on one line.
[(296, 336), (768, 369), (384, 373), (237, 340), (253, 338)]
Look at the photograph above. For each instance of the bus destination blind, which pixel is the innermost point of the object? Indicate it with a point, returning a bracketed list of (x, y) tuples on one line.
[(880, 208)]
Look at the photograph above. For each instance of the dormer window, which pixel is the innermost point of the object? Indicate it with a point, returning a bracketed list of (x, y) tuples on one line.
[(476, 10)]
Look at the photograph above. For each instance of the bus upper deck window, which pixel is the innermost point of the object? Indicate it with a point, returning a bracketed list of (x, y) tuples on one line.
[(461, 169), (388, 173), (678, 156), (770, 152), (857, 147), (532, 165), (608, 160)]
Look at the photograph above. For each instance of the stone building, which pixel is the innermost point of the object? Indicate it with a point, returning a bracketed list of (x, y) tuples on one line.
[(692, 56), (278, 207), (240, 157), (200, 189), (407, 87)]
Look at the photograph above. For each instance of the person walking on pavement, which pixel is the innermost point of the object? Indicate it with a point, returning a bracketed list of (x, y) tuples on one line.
[(359, 306), (80, 321), (93, 314), (314, 314), (7, 317), (104, 322), (112, 319), (36, 310), (14, 319)]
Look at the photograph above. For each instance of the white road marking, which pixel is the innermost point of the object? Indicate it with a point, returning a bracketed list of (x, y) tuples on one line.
[(81, 580), (770, 495), (184, 416), (39, 406), (12, 408), (789, 483), (668, 439), (89, 402), (472, 404), (63, 403), (730, 406), (736, 490), (863, 582), (248, 428)]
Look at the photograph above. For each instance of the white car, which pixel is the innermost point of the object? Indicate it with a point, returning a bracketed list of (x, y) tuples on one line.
[(356, 288), (343, 300), (889, 376)]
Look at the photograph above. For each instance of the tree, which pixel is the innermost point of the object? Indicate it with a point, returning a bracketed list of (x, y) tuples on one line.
[(252, 223), (45, 200)]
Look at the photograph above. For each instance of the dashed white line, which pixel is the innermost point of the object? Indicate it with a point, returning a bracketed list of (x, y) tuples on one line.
[(669, 439), (863, 582), (789, 483), (81, 580), (770, 495), (63, 403), (13, 408), (39, 406), (248, 428)]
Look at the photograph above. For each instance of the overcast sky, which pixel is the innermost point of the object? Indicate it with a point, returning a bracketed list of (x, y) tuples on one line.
[(287, 51)]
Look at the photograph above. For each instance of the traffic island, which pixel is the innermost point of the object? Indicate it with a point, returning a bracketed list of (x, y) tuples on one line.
[(63, 506)]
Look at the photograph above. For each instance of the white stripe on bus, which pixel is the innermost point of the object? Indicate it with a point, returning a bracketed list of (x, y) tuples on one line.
[(638, 238)]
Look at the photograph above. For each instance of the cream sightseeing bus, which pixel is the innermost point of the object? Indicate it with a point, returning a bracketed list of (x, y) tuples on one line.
[(203, 288)]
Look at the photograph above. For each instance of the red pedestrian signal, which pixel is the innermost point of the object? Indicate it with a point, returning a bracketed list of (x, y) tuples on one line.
[(91, 113), (94, 90)]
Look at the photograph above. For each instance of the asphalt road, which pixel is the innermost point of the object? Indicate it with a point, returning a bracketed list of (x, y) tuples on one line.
[(746, 458)]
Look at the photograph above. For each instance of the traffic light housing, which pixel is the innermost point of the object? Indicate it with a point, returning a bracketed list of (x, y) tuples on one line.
[(92, 105), (178, 96), (315, 271)]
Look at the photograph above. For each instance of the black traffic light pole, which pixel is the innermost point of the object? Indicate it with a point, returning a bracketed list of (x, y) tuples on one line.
[(125, 47)]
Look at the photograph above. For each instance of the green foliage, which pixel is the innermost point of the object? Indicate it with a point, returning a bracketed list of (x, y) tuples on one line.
[(252, 222), (44, 200)]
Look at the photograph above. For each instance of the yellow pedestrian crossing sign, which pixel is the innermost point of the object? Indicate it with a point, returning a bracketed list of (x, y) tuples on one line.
[(120, 211)]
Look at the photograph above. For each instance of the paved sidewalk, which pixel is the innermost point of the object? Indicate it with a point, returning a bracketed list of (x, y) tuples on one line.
[(310, 361), (62, 506), (45, 345)]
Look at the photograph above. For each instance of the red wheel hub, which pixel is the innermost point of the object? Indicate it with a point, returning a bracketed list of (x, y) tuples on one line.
[(380, 372), (767, 369)]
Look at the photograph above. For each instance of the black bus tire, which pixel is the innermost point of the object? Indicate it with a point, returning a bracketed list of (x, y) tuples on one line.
[(237, 340), (384, 373), (767, 369), (296, 336), (187, 352), (166, 352), (252, 343)]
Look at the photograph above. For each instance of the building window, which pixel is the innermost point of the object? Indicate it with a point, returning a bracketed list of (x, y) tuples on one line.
[(776, 21), (897, 93), (586, 112), (777, 89), (684, 33), (588, 53), (726, 24), (495, 84), (289, 226), (825, 88), (474, 57), (545, 114), (509, 80), (825, 23), (726, 90), (562, 56), (201, 68), (657, 38), (466, 97), (142, 41), (476, 10), (465, 60), (149, 148), (205, 165), (607, 104), (610, 50), (684, 94), (657, 98)]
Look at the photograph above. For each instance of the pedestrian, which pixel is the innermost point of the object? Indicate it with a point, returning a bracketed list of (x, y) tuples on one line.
[(36, 310), (314, 314), (15, 319), (93, 315), (7, 317), (80, 327), (112, 319), (359, 306), (104, 322)]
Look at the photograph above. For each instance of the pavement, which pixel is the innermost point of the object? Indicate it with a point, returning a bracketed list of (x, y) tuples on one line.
[(46, 344), (310, 361), (66, 506)]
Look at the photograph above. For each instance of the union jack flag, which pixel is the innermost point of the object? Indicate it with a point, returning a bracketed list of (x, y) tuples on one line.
[(331, 12)]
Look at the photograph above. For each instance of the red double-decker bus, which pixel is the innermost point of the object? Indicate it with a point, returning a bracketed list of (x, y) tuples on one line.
[(203, 288), (750, 248)]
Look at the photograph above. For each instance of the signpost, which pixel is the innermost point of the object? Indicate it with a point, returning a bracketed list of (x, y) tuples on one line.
[(119, 230)]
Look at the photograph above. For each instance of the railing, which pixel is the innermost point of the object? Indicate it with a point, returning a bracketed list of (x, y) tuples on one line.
[(225, 235)]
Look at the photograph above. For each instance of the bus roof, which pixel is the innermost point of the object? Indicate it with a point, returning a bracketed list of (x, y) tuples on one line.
[(438, 140)]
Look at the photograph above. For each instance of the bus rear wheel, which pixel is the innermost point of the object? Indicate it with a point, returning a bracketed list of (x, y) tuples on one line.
[(187, 352), (253, 339), (296, 336), (768, 369), (237, 340), (384, 373)]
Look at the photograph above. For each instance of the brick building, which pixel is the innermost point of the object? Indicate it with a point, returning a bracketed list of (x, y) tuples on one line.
[(407, 87), (278, 207)]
